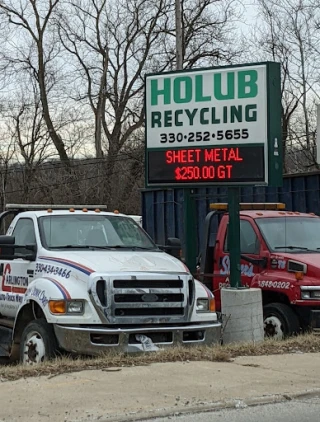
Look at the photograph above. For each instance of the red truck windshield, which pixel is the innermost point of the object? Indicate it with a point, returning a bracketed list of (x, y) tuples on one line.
[(291, 234)]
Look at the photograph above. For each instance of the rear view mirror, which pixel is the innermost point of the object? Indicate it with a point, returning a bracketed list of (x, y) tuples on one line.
[(7, 247), (173, 247)]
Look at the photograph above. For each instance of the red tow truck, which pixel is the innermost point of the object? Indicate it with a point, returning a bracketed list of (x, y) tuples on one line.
[(280, 253)]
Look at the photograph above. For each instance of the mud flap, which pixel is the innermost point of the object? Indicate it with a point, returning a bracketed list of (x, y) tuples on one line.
[(5, 341)]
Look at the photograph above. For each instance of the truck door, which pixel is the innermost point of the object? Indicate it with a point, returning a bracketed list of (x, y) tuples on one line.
[(17, 273), (249, 246)]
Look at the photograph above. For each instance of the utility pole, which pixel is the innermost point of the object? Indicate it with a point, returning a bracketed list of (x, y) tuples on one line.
[(189, 208), (179, 60)]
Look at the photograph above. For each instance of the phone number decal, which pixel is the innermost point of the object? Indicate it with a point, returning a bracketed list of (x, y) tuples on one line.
[(220, 135), (275, 284), (51, 269)]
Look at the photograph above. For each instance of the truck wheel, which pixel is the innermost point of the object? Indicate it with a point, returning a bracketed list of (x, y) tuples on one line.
[(279, 321), (38, 343)]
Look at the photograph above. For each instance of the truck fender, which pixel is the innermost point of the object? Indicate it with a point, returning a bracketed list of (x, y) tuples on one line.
[(201, 291), (34, 306)]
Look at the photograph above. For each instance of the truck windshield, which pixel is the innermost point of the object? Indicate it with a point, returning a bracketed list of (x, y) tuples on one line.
[(92, 231), (292, 234)]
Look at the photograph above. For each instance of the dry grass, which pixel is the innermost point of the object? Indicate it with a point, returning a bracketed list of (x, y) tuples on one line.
[(308, 343)]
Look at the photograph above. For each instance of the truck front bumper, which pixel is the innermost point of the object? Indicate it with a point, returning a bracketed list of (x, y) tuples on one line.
[(94, 340)]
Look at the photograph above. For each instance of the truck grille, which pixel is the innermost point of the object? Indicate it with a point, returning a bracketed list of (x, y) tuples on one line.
[(145, 300)]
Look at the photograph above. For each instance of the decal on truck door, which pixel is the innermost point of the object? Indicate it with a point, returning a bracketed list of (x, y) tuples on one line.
[(246, 269), (13, 283)]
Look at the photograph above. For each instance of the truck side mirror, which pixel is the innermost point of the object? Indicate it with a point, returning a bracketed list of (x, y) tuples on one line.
[(7, 247), (173, 247), (32, 256)]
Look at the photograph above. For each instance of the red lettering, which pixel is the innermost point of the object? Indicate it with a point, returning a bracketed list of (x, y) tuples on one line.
[(224, 154), (7, 270), (183, 156), (168, 157), (229, 168), (190, 156), (208, 155), (234, 155), (238, 158), (217, 153), (197, 152), (11, 289), (221, 172), (176, 156)]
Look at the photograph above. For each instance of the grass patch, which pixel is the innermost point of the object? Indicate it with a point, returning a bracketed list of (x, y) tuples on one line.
[(309, 343)]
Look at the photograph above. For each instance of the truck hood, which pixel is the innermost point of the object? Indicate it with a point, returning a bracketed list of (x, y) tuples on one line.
[(114, 261), (312, 259)]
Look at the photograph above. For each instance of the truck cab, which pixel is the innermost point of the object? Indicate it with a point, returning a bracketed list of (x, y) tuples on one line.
[(280, 254), (81, 280)]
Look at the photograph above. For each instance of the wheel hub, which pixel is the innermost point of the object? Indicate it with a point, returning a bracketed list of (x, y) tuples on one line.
[(273, 328), (34, 349)]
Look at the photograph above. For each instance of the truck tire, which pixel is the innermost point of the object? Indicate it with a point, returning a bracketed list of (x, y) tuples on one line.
[(279, 321), (38, 343)]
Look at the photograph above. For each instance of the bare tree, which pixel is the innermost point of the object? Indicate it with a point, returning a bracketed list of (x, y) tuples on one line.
[(288, 35), (31, 24), (115, 44)]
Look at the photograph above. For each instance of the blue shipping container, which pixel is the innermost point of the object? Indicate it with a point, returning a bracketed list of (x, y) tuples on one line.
[(162, 209)]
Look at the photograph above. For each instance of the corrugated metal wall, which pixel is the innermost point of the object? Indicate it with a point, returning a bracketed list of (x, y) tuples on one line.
[(162, 210)]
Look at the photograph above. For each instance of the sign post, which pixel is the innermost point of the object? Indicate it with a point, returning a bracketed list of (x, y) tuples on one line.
[(234, 236), (217, 126)]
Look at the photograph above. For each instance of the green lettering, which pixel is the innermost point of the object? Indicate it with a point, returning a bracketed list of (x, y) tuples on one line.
[(156, 92), (236, 113), (251, 113), (178, 95), (247, 83), (176, 117), (168, 118), (204, 121), (217, 80), (191, 115), (214, 119), (199, 90), (155, 119)]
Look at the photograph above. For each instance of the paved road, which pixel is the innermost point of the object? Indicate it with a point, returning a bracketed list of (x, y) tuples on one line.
[(290, 411)]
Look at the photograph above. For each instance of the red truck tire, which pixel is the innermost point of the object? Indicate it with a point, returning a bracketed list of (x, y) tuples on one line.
[(280, 321)]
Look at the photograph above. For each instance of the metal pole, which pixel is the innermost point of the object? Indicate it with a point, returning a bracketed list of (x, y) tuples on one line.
[(179, 60), (189, 209), (234, 236)]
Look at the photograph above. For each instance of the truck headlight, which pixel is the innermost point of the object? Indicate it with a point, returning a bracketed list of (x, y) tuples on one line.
[(63, 307), (310, 294), (206, 305), (75, 307), (305, 295), (202, 305)]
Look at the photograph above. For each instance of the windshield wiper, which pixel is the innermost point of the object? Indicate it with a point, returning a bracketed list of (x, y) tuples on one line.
[(79, 247), (302, 248), (143, 248), (92, 247)]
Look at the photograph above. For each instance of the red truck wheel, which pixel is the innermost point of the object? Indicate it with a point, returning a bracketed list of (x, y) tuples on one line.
[(279, 321)]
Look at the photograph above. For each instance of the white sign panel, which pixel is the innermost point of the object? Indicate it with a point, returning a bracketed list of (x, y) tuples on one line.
[(223, 106)]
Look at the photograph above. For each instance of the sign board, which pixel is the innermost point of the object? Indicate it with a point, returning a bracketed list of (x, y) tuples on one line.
[(214, 126)]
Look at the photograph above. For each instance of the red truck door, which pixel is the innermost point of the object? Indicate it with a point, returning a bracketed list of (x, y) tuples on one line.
[(250, 246)]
